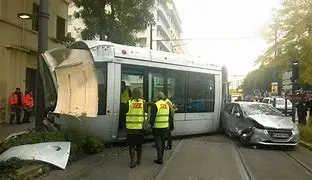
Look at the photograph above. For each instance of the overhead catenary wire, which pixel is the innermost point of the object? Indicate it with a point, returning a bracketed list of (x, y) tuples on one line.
[(210, 39)]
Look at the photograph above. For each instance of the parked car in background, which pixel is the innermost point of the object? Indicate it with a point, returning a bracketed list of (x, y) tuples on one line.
[(259, 123), (280, 104)]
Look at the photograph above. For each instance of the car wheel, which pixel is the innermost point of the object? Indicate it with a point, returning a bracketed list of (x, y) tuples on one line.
[(244, 142)]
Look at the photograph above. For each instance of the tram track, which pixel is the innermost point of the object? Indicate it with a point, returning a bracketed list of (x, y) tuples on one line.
[(158, 175), (243, 168), (298, 162)]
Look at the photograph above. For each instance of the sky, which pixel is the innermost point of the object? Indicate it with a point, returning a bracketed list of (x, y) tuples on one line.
[(204, 21)]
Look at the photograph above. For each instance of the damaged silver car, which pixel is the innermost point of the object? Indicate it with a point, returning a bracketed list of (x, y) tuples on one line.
[(258, 123)]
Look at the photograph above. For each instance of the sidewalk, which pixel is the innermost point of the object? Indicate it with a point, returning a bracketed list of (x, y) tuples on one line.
[(7, 129)]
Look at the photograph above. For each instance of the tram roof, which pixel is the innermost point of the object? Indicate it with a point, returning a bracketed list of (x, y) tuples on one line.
[(108, 49)]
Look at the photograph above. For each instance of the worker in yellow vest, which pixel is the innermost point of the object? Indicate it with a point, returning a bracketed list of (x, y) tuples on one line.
[(173, 109), (124, 99), (159, 119), (135, 118)]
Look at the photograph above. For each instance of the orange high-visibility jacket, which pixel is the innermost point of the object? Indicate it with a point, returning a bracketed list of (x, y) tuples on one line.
[(28, 101), (13, 99)]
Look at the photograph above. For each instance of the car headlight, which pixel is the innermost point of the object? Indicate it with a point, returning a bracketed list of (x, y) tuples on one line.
[(295, 127)]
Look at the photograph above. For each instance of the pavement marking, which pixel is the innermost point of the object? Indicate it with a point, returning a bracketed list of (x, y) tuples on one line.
[(297, 161), (164, 167), (243, 169)]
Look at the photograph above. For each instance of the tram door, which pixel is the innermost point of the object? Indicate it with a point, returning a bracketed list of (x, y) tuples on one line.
[(131, 77)]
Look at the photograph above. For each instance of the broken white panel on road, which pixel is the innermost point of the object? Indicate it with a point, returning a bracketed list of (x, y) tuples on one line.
[(55, 153)]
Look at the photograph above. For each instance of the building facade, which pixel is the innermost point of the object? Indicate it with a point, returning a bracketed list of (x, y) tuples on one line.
[(19, 41), (165, 35), (235, 81)]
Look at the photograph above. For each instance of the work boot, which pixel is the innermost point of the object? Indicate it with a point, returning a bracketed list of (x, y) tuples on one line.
[(132, 158), (158, 161), (139, 156)]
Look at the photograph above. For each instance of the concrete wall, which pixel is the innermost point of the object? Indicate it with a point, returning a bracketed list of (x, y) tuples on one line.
[(18, 42)]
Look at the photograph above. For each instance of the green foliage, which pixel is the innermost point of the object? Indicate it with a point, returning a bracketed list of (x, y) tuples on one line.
[(306, 132), (291, 28), (8, 168), (81, 145), (116, 19)]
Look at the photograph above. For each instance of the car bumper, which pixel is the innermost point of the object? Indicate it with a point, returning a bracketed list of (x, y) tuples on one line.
[(289, 111), (263, 137)]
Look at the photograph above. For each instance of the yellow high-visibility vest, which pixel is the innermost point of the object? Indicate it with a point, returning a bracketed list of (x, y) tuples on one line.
[(124, 96), (135, 115), (171, 106), (162, 116)]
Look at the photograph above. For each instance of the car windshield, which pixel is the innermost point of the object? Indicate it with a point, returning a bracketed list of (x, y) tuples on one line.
[(257, 108), (282, 102)]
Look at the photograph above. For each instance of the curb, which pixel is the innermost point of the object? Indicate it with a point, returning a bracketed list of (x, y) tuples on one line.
[(306, 145)]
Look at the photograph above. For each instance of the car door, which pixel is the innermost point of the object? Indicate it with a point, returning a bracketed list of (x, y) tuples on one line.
[(226, 118), (238, 119)]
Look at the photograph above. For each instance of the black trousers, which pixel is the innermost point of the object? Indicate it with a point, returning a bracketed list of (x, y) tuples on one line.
[(122, 116), (160, 145), (169, 138), (17, 110), (26, 117)]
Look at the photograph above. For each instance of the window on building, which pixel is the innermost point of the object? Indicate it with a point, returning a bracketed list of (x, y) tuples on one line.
[(200, 92), (60, 28), (35, 19), (176, 89), (101, 72)]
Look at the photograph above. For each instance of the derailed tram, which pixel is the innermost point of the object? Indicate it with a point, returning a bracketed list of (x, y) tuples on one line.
[(82, 83)]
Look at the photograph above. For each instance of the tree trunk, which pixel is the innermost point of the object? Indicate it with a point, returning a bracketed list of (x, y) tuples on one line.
[(102, 30)]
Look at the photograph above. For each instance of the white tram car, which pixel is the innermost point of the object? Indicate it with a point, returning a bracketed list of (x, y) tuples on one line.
[(83, 82)]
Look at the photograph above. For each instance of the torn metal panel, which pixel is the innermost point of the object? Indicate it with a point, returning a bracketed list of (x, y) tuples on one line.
[(56, 153), (14, 135), (74, 74)]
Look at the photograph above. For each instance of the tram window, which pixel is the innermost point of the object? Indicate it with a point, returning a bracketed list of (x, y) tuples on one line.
[(200, 92), (101, 72), (156, 84), (133, 77), (176, 89)]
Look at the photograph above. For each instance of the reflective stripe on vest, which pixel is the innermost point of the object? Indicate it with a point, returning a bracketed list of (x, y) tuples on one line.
[(162, 116), (135, 115), (124, 97)]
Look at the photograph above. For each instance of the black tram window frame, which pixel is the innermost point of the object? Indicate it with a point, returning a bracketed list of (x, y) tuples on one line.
[(102, 102)]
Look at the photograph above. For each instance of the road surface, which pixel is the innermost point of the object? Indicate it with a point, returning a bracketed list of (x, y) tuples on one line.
[(206, 158)]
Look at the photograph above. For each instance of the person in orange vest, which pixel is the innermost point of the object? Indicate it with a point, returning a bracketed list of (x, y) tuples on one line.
[(28, 105), (16, 103)]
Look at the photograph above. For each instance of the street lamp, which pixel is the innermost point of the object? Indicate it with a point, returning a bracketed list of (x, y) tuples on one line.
[(25, 15), (43, 17)]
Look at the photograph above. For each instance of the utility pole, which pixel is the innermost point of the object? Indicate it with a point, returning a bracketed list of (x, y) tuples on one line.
[(151, 37), (42, 47), (295, 77)]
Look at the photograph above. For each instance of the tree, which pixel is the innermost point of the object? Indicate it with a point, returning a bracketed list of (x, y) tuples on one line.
[(118, 20), (291, 29)]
